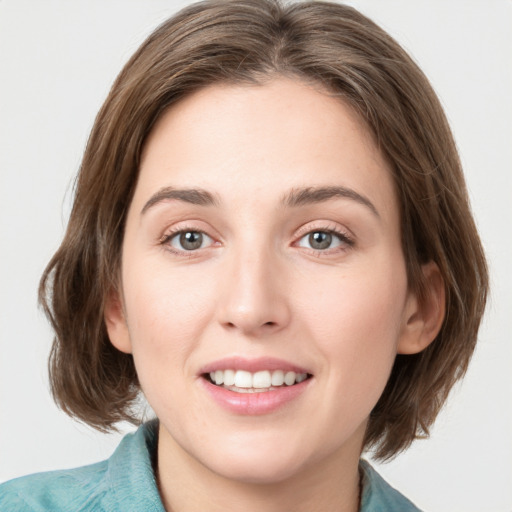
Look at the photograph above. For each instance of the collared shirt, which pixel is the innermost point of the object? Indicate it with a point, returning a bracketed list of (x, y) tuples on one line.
[(126, 483)]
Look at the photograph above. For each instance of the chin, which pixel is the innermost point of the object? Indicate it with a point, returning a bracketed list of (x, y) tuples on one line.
[(260, 472), (258, 462)]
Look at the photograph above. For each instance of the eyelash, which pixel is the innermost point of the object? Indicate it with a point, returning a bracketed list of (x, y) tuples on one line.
[(345, 240), (173, 233)]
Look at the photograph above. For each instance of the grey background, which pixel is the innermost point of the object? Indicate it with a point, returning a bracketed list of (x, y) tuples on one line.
[(57, 62)]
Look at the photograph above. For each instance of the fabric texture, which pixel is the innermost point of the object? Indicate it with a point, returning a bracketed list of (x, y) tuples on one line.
[(126, 483)]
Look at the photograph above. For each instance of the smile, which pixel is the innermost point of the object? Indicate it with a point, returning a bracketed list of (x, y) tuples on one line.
[(242, 381), (254, 386)]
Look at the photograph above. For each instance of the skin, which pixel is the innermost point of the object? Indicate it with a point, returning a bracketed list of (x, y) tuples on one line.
[(257, 288)]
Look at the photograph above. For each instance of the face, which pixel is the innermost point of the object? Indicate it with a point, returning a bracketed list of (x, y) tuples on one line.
[(264, 290)]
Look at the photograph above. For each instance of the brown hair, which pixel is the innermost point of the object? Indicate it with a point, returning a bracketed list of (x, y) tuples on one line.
[(249, 42)]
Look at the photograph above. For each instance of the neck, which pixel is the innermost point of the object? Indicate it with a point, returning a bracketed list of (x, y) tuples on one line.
[(186, 485)]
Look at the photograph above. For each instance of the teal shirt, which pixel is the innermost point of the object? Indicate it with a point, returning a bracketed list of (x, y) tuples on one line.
[(126, 483)]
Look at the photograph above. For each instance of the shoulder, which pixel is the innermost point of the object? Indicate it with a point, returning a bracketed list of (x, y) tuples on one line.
[(378, 495), (82, 488), (123, 483)]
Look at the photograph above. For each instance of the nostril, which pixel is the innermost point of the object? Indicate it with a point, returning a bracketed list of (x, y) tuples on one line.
[(248, 325)]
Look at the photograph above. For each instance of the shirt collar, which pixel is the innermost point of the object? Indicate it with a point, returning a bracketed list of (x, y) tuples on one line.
[(130, 471)]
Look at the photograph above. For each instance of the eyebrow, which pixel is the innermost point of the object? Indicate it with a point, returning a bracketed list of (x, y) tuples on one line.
[(311, 195), (296, 197), (195, 196)]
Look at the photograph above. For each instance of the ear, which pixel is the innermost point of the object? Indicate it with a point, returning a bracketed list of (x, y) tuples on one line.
[(115, 321), (423, 318)]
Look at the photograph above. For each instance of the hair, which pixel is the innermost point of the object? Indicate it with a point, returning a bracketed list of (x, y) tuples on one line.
[(250, 42)]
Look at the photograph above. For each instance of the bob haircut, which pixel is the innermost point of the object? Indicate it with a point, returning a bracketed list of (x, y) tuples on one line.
[(249, 42)]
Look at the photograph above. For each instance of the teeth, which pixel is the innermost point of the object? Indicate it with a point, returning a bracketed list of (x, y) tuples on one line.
[(277, 378), (229, 377), (301, 377), (242, 379), (289, 378), (260, 380), (219, 377)]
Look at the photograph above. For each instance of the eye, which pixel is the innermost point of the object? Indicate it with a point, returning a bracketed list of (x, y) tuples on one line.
[(322, 240), (189, 240)]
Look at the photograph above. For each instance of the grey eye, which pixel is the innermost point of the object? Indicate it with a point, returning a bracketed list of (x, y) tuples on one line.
[(190, 240), (321, 240)]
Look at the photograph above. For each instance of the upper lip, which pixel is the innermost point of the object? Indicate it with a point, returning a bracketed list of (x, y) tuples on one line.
[(252, 365)]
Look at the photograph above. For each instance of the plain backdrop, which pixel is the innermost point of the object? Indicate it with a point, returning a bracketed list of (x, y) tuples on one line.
[(57, 61)]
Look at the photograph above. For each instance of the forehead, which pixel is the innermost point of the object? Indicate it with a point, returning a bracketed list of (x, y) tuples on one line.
[(236, 140)]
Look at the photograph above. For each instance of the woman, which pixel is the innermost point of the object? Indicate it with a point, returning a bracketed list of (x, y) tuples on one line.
[(266, 239)]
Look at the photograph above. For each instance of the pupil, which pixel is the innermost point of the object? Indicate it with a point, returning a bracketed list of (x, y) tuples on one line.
[(191, 240), (320, 240)]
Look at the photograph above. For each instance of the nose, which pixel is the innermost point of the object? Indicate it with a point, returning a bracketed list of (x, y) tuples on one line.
[(253, 298)]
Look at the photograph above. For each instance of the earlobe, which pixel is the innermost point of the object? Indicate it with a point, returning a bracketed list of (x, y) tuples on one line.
[(115, 321), (424, 316)]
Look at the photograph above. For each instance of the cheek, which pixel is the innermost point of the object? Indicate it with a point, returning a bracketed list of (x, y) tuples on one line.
[(357, 322), (167, 314), (167, 311)]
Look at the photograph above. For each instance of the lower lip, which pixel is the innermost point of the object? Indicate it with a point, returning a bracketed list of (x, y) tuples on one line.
[(253, 404)]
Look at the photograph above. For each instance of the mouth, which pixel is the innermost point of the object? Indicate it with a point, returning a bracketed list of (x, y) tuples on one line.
[(243, 381), (255, 386)]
